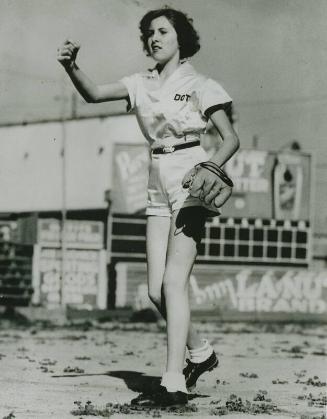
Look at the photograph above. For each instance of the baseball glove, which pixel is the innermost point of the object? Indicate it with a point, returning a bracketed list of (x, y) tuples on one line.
[(208, 182)]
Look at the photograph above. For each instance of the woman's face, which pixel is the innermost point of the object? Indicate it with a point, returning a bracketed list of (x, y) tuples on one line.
[(162, 41)]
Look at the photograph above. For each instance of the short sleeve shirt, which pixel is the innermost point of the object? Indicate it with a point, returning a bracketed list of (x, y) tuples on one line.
[(178, 110)]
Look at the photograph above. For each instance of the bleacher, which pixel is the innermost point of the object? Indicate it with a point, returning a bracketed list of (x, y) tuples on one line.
[(15, 271)]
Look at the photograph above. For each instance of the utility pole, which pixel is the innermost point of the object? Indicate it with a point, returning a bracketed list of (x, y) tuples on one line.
[(63, 244)]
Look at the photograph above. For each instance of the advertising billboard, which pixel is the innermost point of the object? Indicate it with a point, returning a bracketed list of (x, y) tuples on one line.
[(270, 185), (76, 275), (266, 184), (130, 178)]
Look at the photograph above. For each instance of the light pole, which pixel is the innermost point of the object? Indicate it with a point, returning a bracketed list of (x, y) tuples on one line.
[(63, 244)]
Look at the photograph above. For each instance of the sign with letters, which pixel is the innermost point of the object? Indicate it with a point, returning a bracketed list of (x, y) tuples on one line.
[(266, 184), (77, 234), (235, 291), (130, 178), (270, 185), (83, 275), (78, 276)]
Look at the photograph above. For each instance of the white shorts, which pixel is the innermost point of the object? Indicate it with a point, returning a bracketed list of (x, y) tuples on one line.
[(165, 191)]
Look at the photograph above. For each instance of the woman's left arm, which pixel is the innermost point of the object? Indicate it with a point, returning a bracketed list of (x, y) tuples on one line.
[(230, 139), (205, 184)]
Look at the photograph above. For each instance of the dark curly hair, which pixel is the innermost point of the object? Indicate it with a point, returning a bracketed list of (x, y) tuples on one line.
[(188, 38)]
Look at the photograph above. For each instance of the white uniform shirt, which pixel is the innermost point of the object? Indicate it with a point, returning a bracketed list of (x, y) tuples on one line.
[(178, 110)]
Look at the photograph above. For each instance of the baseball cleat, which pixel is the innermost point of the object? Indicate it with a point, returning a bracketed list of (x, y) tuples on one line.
[(193, 371), (161, 398)]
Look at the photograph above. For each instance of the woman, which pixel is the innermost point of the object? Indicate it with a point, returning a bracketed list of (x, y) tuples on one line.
[(173, 104)]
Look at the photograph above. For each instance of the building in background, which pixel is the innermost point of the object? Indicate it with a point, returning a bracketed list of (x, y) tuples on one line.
[(57, 153)]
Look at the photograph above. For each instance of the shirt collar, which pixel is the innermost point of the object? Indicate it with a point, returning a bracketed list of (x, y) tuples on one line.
[(185, 69)]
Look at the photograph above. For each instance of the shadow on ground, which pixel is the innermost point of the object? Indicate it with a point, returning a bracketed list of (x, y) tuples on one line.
[(134, 380)]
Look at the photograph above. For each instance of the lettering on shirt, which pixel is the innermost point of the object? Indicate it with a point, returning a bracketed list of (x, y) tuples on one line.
[(181, 97)]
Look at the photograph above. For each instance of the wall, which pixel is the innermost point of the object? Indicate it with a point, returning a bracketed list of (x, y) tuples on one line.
[(31, 162), (238, 293), (31, 165), (269, 55)]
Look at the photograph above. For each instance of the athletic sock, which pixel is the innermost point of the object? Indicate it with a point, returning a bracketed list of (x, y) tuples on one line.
[(201, 354), (174, 381)]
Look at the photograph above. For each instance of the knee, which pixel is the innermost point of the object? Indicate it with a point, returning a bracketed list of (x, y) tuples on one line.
[(155, 297)]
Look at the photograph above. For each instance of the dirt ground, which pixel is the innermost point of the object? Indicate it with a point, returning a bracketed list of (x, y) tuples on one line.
[(94, 369)]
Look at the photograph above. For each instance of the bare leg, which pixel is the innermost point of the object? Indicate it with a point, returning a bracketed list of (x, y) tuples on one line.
[(157, 240), (185, 234), (156, 246)]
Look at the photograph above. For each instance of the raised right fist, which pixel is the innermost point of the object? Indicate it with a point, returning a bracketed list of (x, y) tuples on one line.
[(67, 53)]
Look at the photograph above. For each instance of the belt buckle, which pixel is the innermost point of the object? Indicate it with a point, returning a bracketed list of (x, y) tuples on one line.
[(168, 149)]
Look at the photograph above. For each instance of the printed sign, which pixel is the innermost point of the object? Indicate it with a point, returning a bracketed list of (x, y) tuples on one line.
[(248, 171), (77, 234), (269, 185), (266, 184), (230, 290), (262, 291), (130, 178), (83, 273), (288, 186), (77, 276)]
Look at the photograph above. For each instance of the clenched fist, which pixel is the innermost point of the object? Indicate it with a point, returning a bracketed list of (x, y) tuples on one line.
[(67, 53)]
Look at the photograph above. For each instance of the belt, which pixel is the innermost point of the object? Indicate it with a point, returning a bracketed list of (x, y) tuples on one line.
[(172, 148)]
